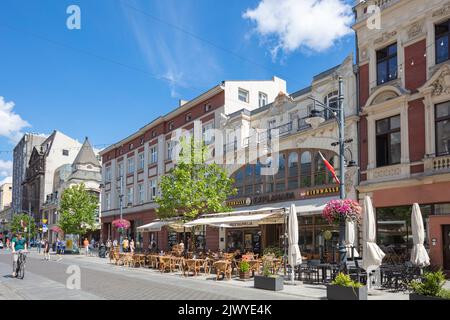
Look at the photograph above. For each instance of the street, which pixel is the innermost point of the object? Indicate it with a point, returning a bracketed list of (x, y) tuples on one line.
[(100, 280)]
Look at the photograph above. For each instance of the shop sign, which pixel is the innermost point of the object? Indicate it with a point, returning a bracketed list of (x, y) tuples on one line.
[(317, 192), (274, 197), (240, 202)]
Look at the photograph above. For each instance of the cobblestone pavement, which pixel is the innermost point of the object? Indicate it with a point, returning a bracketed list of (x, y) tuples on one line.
[(101, 280)]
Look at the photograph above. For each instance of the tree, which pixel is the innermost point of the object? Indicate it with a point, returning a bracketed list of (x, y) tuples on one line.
[(194, 187), (23, 223), (77, 212)]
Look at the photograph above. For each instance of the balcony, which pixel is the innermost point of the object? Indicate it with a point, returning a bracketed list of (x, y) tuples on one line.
[(437, 165), (282, 130), (302, 125)]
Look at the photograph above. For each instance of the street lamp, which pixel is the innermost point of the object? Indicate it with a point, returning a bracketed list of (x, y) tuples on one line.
[(315, 119), (121, 211)]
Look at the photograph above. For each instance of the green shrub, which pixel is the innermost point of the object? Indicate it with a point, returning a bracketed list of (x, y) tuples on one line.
[(444, 294), (344, 280), (266, 269), (277, 251), (430, 285), (244, 267)]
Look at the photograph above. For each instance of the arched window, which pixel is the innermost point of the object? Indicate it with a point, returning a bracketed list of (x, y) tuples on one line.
[(319, 171), (331, 100), (293, 164), (305, 169), (281, 166)]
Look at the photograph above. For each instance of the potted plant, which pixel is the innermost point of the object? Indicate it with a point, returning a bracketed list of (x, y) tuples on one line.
[(430, 287), (337, 211), (244, 270), (344, 288), (268, 281)]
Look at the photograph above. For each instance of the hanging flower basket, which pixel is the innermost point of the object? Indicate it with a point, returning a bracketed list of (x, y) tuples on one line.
[(121, 224), (56, 229), (337, 210)]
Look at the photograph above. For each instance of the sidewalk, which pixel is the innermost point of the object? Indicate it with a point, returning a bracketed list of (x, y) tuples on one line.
[(301, 290)]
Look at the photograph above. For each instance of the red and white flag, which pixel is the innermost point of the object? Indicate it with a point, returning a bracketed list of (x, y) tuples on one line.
[(330, 168)]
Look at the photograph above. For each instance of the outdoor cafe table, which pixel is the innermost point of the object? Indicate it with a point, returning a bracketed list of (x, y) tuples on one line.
[(325, 267)]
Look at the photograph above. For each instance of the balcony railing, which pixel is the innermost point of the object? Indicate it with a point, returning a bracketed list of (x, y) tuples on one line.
[(441, 163), (282, 130), (302, 125)]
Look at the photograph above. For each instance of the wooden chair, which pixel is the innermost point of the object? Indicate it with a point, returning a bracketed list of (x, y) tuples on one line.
[(223, 267), (206, 266), (190, 265), (165, 263), (177, 263), (114, 256), (139, 259), (128, 260)]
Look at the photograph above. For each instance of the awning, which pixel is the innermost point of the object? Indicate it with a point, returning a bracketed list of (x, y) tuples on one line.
[(154, 226), (230, 219)]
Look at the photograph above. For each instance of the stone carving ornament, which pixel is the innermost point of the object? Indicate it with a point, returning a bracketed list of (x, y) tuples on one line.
[(442, 84), (385, 37), (445, 10), (415, 30)]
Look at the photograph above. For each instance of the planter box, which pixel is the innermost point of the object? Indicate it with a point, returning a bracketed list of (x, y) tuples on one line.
[(244, 275), (415, 296), (346, 293), (269, 283)]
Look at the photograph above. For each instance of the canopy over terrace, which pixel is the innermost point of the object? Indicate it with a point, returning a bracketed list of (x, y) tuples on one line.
[(257, 215), (157, 225)]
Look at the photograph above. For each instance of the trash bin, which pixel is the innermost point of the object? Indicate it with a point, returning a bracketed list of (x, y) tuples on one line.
[(102, 251)]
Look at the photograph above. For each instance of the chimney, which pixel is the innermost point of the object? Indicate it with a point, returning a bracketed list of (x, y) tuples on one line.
[(182, 102)]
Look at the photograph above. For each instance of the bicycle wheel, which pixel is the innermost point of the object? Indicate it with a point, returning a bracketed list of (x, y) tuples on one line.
[(21, 271)]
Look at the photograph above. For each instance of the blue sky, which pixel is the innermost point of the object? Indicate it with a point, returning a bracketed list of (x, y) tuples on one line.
[(132, 60)]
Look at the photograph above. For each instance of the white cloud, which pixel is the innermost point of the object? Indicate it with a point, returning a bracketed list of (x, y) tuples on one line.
[(6, 180), (289, 25), (6, 168), (11, 123)]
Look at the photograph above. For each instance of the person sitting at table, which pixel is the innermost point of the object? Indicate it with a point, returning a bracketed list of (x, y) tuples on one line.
[(237, 254)]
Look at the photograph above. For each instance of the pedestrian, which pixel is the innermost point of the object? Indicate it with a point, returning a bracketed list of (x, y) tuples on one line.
[(86, 246), (108, 246), (132, 246), (58, 249), (46, 249), (125, 245), (115, 243)]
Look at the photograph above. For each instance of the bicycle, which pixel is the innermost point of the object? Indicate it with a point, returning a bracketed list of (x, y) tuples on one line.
[(19, 266)]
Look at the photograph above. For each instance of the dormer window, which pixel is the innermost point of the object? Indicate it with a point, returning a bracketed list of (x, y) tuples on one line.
[(65, 152), (208, 107), (153, 133), (131, 146)]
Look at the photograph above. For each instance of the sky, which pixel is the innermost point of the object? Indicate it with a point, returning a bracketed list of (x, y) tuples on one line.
[(105, 68)]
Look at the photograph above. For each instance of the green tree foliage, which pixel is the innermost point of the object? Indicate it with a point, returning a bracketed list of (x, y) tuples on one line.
[(27, 222), (77, 212), (194, 187)]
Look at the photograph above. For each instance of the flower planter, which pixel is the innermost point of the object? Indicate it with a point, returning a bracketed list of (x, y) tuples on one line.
[(415, 296), (269, 283), (244, 275), (346, 293)]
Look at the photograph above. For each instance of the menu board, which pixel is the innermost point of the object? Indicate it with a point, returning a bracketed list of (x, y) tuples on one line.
[(172, 239)]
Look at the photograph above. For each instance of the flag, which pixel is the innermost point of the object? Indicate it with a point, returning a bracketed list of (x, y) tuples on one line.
[(330, 168)]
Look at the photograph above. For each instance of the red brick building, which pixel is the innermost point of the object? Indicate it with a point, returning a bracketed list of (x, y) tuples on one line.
[(404, 103)]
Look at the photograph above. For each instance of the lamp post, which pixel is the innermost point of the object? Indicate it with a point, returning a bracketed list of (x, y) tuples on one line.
[(314, 120), (121, 212)]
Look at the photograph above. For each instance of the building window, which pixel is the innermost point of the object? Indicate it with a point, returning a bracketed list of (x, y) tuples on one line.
[(442, 116), (169, 150), (442, 32), (262, 98), (131, 146), (153, 155), (153, 189), (130, 195), (243, 95), (107, 201), (154, 133), (293, 164), (108, 174), (388, 143), (320, 173), (141, 193), (188, 117), (387, 64), (281, 166), (208, 107), (305, 169), (130, 166), (65, 152), (141, 161), (120, 169), (331, 100), (208, 133)]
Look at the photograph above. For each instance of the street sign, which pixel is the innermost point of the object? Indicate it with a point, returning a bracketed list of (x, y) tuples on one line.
[(44, 221), (44, 228)]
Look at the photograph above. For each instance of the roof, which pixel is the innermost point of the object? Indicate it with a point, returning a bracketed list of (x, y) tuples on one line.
[(86, 155), (325, 73), (301, 92)]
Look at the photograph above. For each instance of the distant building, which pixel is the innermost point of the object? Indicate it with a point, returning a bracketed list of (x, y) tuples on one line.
[(86, 168), (5, 195), (21, 158)]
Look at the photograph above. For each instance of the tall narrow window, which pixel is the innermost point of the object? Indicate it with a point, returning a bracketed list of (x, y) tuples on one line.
[(153, 189), (331, 100), (108, 201), (320, 173), (130, 165), (208, 133), (305, 169), (262, 97), (387, 64), (281, 166), (153, 155), (442, 32), (108, 174), (169, 150), (141, 193), (141, 161), (388, 143), (293, 171), (243, 95), (442, 129), (130, 195), (120, 169)]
